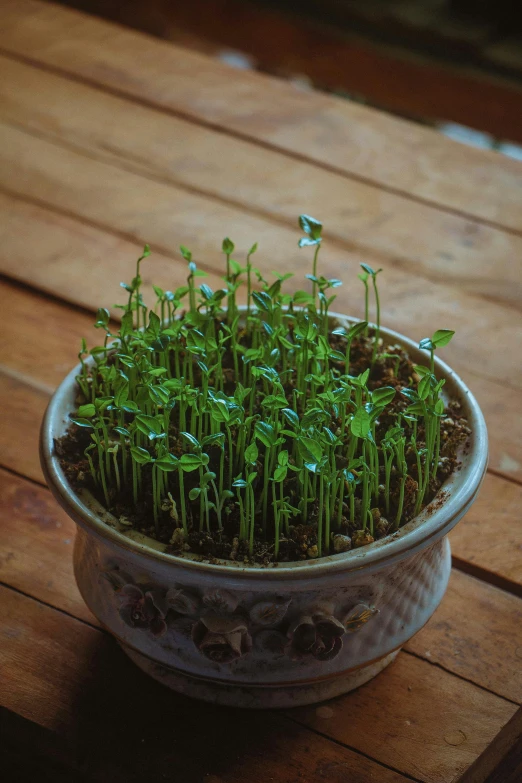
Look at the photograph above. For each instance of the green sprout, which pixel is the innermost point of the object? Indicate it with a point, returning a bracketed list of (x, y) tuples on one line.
[(262, 424)]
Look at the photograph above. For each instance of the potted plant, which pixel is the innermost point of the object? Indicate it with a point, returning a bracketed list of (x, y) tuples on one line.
[(263, 493)]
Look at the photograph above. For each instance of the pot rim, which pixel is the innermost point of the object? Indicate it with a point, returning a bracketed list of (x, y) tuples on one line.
[(433, 522)]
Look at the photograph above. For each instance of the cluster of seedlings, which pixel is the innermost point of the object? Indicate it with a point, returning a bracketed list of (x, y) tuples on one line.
[(259, 433)]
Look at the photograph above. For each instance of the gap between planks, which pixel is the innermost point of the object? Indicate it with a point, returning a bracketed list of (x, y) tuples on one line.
[(408, 295), (419, 241), (138, 96)]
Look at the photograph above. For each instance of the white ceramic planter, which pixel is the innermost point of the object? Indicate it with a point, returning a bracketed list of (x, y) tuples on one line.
[(234, 635)]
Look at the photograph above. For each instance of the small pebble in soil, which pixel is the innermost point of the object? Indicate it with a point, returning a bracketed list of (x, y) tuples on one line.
[(361, 538), (341, 543)]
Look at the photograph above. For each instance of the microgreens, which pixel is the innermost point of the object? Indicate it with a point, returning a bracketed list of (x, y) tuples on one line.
[(248, 423)]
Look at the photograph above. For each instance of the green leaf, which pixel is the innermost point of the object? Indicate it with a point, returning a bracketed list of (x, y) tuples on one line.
[(311, 226), (185, 252), (194, 442), (360, 424), (423, 388), (251, 454), (356, 329), (307, 241), (369, 271), (252, 249), (194, 493), (263, 301), (282, 458), (439, 407), (206, 291), (130, 407), (195, 340), (383, 396), (302, 298), (86, 411), (214, 440), (265, 433), (228, 246), (442, 337), (141, 456), (102, 318), (82, 422), (310, 450), (122, 431), (127, 324), (154, 326), (167, 463), (121, 396), (148, 424), (280, 473), (291, 416), (417, 408), (190, 462)]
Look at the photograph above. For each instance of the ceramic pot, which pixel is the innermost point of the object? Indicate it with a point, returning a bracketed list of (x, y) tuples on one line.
[(266, 637)]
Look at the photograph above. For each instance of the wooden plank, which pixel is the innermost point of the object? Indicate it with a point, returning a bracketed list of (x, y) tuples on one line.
[(75, 260), (144, 210), (488, 541), (37, 562), (21, 410), (418, 718), (404, 79), (60, 254), (349, 138), (501, 762), (46, 659), (72, 679), (384, 227), (476, 633), (37, 542)]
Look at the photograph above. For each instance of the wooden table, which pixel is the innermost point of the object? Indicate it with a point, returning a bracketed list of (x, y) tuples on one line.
[(109, 139)]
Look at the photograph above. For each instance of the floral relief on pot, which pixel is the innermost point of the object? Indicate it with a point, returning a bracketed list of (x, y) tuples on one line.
[(223, 629)]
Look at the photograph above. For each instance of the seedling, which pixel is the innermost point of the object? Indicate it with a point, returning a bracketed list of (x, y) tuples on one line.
[(263, 426)]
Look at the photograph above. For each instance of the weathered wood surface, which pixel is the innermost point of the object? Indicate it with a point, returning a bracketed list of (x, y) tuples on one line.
[(206, 152), (345, 137)]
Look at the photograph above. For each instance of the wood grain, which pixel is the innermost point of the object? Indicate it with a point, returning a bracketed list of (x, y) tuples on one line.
[(46, 660), (37, 561), (413, 705), (21, 411), (384, 227), (346, 137), (501, 762), (71, 678), (476, 633), (75, 260), (37, 544), (491, 534), (85, 263), (138, 211)]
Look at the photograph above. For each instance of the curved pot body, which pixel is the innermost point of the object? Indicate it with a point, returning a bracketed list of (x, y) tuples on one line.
[(266, 637)]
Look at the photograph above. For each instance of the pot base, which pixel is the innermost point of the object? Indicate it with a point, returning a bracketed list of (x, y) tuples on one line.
[(269, 697)]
